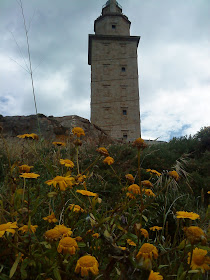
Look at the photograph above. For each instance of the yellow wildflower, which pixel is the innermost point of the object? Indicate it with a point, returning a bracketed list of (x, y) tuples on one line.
[(109, 160), (27, 228), (130, 242), (199, 260), (134, 189), (67, 245), (67, 163), (130, 178), (130, 195), (80, 178), (63, 230), (147, 183), (51, 218), (153, 172), (29, 175), (174, 175), (155, 276), (78, 238), (148, 192), (103, 151), (187, 215), (139, 143), (29, 136), (52, 234), (8, 227), (96, 235), (24, 168), (147, 251), (195, 234), (76, 208), (87, 264), (63, 182), (59, 144), (78, 131), (144, 232), (86, 193), (155, 228), (122, 248)]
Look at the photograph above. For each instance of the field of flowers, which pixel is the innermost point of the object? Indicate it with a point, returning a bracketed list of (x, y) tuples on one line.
[(66, 213)]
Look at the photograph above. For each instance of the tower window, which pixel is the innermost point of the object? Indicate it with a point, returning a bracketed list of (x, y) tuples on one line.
[(124, 112), (113, 26), (123, 69), (125, 136)]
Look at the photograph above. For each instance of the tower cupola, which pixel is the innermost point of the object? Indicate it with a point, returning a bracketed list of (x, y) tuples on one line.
[(112, 21)]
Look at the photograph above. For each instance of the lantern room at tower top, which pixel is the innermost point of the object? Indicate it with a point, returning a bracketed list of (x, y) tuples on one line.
[(112, 55), (102, 24)]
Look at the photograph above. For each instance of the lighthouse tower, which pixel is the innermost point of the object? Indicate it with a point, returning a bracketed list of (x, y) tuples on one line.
[(112, 55)]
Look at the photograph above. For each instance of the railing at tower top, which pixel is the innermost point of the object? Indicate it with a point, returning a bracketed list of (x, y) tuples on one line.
[(108, 2)]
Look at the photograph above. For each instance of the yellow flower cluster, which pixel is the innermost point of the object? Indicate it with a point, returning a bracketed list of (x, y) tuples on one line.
[(57, 232)]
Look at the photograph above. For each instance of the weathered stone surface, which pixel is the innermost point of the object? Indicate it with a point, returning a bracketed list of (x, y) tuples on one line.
[(114, 75), (51, 127)]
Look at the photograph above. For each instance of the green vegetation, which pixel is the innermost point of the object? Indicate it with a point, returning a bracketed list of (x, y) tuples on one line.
[(71, 210)]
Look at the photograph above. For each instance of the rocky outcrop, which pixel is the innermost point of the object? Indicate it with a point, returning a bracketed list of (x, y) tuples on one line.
[(51, 127)]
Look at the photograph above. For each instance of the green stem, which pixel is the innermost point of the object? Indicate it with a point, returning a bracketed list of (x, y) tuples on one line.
[(77, 149), (92, 164), (140, 185)]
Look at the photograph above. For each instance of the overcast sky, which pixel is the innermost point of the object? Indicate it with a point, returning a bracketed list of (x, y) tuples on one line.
[(173, 59)]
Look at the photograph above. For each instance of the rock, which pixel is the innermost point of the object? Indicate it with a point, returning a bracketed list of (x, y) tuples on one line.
[(51, 127)]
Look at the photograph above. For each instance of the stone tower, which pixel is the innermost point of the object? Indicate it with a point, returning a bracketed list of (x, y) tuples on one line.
[(114, 74)]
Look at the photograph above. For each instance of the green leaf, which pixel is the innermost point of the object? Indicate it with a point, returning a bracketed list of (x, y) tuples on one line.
[(46, 244), (14, 267), (81, 244), (57, 274), (182, 244), (193, 271), (162, 265), (22, 269), (52, 194), (145, 218)]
